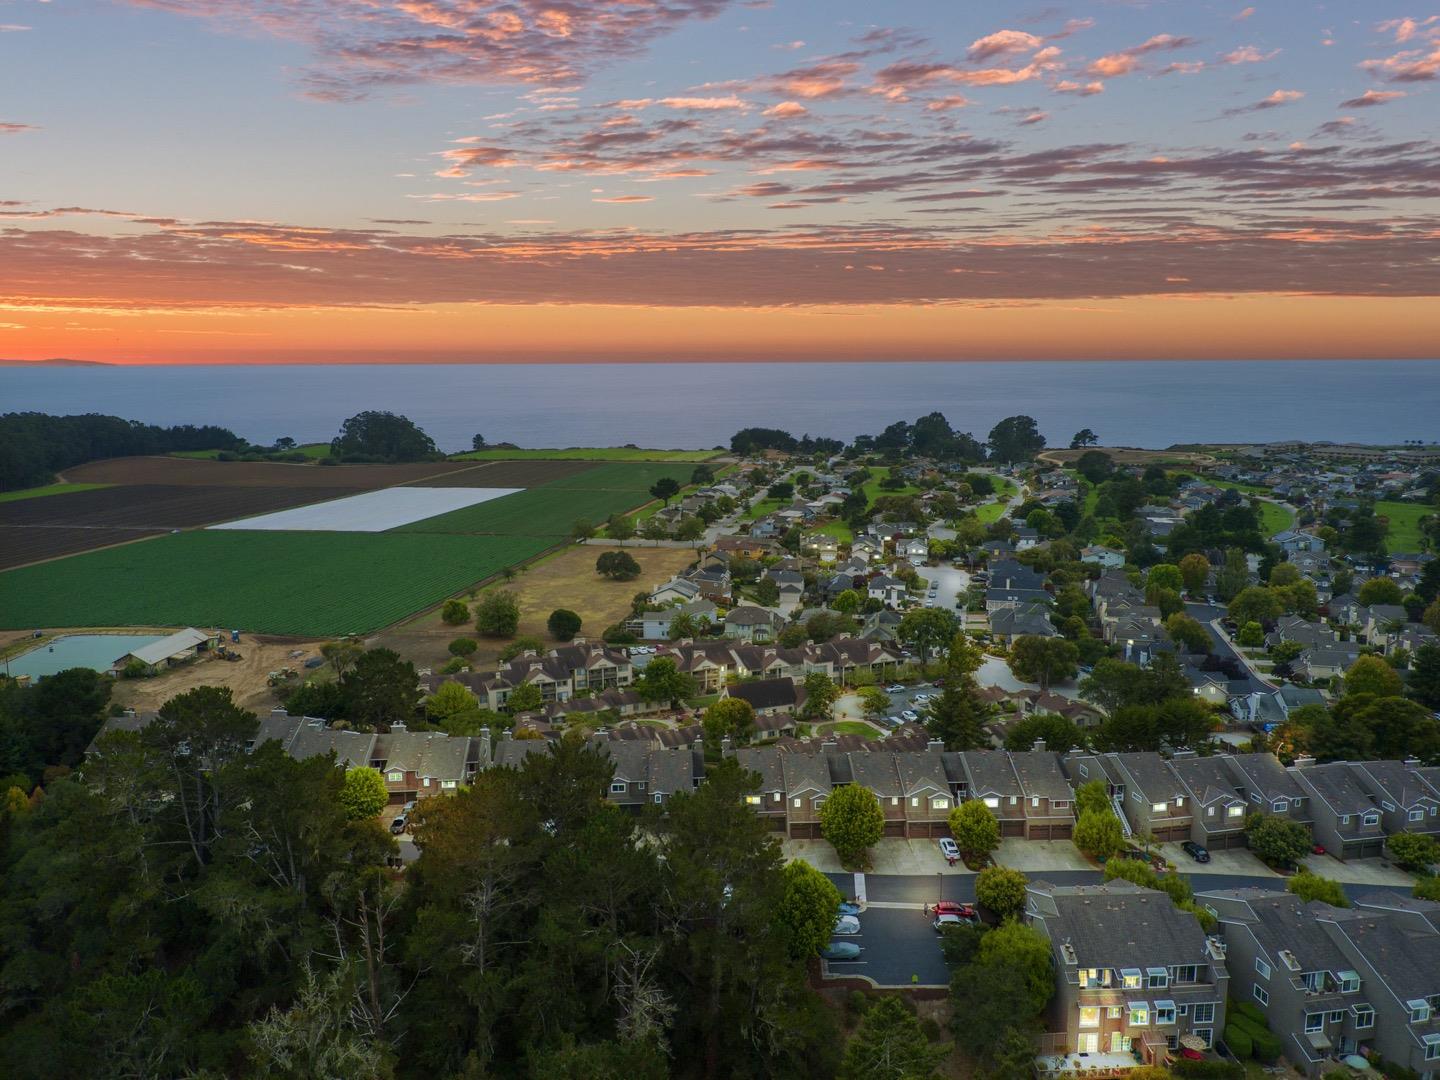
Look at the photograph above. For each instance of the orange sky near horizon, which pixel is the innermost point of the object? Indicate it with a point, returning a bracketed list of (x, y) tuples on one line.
[(1258, 326)]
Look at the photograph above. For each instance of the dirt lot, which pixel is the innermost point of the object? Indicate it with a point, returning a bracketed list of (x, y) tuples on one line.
[(246, 678), (507, 474), (1129, 455), (168, 470), (566, 580)]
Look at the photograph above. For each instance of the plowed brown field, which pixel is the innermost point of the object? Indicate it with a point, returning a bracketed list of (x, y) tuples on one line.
[(168, 470)]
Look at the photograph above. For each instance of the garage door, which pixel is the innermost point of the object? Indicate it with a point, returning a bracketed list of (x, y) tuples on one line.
[(1012, 828), (895, 828), (1226, 841), (805, 830), (1173, 833), (929, 830), (1050, 832)]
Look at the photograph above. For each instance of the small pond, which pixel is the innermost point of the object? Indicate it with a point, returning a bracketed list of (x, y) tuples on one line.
[(96, 651)]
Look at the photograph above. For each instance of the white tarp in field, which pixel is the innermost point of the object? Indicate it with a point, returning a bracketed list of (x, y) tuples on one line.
[(374, 511)]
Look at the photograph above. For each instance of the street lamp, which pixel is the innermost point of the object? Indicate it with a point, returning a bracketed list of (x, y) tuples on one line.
[(939, 885)]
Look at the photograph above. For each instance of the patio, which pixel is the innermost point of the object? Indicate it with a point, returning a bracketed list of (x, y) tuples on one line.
[(1056, 1066)]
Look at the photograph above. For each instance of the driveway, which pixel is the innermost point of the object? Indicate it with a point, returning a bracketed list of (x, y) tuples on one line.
[(1359, 871), (1233, 862), (891, 856), (952, 582), (1041, 856), (996, 672)]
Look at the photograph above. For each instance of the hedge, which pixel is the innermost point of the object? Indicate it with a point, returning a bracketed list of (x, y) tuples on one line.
[(1191, 1069), (1238, 1041), (1249, 1010)]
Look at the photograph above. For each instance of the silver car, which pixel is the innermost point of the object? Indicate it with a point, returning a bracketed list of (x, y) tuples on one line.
[(846, 925)]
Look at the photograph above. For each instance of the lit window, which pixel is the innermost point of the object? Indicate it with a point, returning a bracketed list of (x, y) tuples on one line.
[(1157, 808), (1130, 978), (914, 800), (940, 802), (1209, 811), (1139, 1013), (1235, 811), (1089, 1016), (797, 802), (752, 800), (1260, 995), (992, 802), (1112, 1012), (395, 777), (447, 785)]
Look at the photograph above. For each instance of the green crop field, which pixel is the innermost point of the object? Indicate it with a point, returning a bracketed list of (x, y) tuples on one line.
[(309, 584), (624, 476), (48, 489), (1404, 534), (587, 453)]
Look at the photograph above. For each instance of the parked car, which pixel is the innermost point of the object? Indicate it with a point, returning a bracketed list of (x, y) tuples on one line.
[(848, 908), (911, 715), (400, 823), (840, 950), (1195, 851), (944, 922), (949, 849), (895, 689), (846, 924), (920, 699), (963, 912)]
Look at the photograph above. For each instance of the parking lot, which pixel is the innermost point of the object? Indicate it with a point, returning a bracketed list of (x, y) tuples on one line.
[(898, 946)]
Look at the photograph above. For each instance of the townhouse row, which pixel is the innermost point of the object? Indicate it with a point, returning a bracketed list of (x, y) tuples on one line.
[(1138, 980)]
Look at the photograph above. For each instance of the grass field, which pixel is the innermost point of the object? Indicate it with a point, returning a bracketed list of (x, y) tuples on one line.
[(588, 453), (1274, 519), (48, 489), (1404, 534), (873, 490), (839, 530), (315, 450), (991, 511), (307, 584), (848, 727), (624, 476), (1248, 489)]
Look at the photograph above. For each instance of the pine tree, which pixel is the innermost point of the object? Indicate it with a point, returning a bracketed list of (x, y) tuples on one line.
[(956, 715)]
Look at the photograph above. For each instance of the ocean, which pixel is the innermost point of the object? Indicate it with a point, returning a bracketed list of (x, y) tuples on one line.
[(696, 406)]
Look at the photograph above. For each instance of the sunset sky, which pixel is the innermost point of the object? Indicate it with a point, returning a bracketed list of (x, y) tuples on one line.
[(369, 180)]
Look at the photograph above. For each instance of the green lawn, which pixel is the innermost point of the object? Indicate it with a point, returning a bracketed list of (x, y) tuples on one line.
[(590, 453), (306, 583), (849, 727), (762, 507), (1274, 519), (314, 450), (1248, 489), (991, 511), (48, 489), (838, 529), (873, 490), (1404, 534)]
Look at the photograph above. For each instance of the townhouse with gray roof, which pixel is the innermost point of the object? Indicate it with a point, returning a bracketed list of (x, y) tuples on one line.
[(1334, 981), (1218, 811), (1134, 973), (1344, 818)]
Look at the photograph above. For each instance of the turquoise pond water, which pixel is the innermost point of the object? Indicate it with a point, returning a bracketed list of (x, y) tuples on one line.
[(96, 651)]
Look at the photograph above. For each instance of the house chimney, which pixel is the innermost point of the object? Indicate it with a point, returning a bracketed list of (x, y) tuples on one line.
[(829, 744), (1303, 762), (935, 744), (725, 744), (1038, 746), (399, 725)]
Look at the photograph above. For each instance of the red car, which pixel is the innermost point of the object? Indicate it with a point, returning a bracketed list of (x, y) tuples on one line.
[(951, 907)]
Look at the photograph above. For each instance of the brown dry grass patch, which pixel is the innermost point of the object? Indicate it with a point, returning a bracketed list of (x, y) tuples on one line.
[(566, 580)]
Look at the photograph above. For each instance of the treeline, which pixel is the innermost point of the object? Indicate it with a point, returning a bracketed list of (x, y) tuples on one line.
[(35, 446), (1016, 438), (190, 908)]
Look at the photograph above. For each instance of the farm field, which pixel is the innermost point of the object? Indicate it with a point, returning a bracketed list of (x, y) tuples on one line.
[(174, 470), (306, 584), (314, 450), (627, 476), (1404, 534), (371, 511), (516, 474), (160, 506), (540, 511), (21, 544), (587, 453), (47, 490)]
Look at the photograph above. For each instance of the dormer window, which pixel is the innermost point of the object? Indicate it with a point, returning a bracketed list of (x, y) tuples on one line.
[(1349, 981), (1371, 819), (1130, 978), (1280, 806), (1157, 808), (1419, 1010), (618, 787), (1157, 978)]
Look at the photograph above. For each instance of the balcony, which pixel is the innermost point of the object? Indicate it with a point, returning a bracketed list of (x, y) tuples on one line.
[(1072, 1066)]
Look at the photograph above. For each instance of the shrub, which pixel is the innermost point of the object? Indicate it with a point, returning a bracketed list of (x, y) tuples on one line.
[(1239, 1042), (563, 624), (455, 613), (856, 1002), (1267, 1046), (1248, 1011), (463, 646), (1191, 1069)]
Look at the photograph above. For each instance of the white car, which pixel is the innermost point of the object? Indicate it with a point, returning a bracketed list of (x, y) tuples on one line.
[(911, 715), (846, 925), (921, 699), (949, 849), (896, 689)]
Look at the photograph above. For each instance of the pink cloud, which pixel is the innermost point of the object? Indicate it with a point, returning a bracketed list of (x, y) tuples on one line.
[(1243, 14), (1410, 65), (625, 199), (1247, 54), (945, 104), (1002, 43), (704, 104), (786, 110), (1405, 29), (12, 127), (1371, 98), (1275, 100), (1067, 86), (1128, 60)]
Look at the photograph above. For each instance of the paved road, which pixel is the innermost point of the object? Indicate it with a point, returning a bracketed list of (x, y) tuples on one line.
[(897, 940), (1207, 615)]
